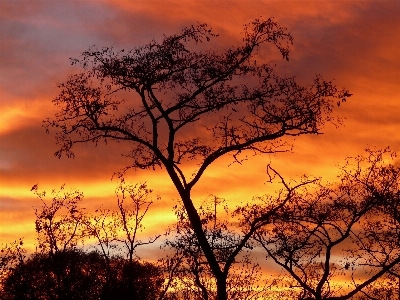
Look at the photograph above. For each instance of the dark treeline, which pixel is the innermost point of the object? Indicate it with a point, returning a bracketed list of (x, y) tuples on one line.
[(76, 274)]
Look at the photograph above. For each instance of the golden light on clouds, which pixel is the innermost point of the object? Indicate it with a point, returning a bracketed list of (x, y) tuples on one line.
[(353, 43)]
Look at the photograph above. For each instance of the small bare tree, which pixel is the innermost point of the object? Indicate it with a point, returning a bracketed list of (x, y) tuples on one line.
[(60, 227), (347, 230), (59, 223), (133, 204)]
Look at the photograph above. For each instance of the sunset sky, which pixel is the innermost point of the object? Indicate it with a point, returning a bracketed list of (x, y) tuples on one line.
[(354, 43)]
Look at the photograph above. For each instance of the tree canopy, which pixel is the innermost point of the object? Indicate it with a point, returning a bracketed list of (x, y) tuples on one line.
[(235, 94), (160, 96)]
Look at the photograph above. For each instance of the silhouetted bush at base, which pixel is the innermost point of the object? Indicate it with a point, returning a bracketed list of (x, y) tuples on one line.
[(75, 274)]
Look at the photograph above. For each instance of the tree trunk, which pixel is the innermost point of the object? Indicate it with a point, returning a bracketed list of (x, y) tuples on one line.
[(209, 254), (130, 273), (195, 221), (221, 288)]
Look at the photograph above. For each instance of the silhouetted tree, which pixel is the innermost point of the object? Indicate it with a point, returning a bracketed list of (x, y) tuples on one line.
[(233, 97), (231, 247), (133, 204), (347, 231), (11, 255), (117, 232), (59, 222), (60, 228)]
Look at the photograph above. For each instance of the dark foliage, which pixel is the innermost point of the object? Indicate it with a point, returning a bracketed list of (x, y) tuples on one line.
[(75, 274)]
